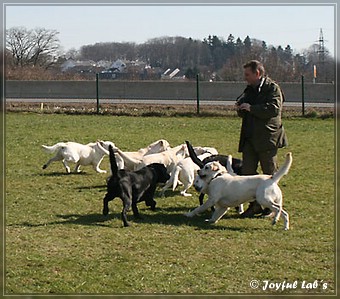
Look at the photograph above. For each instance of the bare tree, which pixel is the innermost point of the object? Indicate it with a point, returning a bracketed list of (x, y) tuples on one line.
[(108, 51), (37, 47)]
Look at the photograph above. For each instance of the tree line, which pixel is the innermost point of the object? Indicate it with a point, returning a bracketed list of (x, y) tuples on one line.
[(214, 57)]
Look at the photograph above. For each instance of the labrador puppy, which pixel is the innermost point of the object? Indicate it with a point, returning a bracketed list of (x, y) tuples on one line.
[(222, 159), (227, 189), (168, 158), (133, 186), (184, 172), (81, 154), (127, 160)]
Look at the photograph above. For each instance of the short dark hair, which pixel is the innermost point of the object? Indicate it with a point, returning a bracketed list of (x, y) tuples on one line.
[(255, 65)]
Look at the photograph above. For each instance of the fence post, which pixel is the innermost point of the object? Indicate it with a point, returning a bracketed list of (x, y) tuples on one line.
[(198, 94), (97, 91), (303, 94)]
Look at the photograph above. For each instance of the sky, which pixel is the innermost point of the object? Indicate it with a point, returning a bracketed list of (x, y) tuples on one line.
[(294, 25)]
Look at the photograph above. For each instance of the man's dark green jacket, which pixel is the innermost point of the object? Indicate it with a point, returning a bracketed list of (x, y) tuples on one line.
[(262, 126)]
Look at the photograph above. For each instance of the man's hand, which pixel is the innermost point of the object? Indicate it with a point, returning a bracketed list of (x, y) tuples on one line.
[(244, 106)]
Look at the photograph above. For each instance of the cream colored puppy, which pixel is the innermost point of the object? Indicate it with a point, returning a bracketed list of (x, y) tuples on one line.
[(184, 172), (168, 158), (225, 190), (128, 160), (81, 154)]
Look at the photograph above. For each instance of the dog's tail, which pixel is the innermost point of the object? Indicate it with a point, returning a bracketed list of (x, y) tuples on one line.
[(170, 181), (113, 163), (193, 155), (230, 166), (53, 148), (283, 169)]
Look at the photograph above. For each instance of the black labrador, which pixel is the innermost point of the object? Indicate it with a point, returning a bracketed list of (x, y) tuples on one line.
[(133, 186), (236, 163)]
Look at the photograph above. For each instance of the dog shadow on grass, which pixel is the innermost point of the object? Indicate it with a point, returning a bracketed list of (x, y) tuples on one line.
[(101, 188), (162, 216), (168, 216), (174, 216), (94, 219), (61, 173)]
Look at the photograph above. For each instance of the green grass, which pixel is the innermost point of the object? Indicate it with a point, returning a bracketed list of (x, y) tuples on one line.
[(58, 242)]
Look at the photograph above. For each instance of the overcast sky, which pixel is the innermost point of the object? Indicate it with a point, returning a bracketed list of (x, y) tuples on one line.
[(298, 26)]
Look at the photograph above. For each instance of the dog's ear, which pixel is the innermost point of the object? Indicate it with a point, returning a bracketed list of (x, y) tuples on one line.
[(215, 166)]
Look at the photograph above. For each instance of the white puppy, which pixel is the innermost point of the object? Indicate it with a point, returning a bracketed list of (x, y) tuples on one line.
[(199, 150), (168, 158), (88, 154), (184, 172), (128, 160), (225, 190)]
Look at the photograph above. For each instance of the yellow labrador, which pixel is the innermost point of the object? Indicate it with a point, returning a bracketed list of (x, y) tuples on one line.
[(81, 154), (226, 189), (128, 160)]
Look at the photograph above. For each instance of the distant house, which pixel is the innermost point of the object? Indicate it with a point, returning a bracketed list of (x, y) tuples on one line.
[(175, 74), (118, 65), (114, 70), (68, 64), (71, 64), (104, 64), (119, 69)]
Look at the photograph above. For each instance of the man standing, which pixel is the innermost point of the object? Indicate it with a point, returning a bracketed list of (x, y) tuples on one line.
[(262, 132)]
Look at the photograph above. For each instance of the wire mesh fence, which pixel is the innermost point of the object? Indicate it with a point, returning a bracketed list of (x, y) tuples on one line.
[(151, 108), (147, 98)]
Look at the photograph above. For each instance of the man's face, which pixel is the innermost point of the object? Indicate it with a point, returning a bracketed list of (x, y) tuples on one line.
[(251, 77)]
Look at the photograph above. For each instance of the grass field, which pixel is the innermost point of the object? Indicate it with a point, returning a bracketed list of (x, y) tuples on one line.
[(58, 242)]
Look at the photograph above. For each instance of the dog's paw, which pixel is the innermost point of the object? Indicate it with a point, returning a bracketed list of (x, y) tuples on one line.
[(101, 171), (185, 194)]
